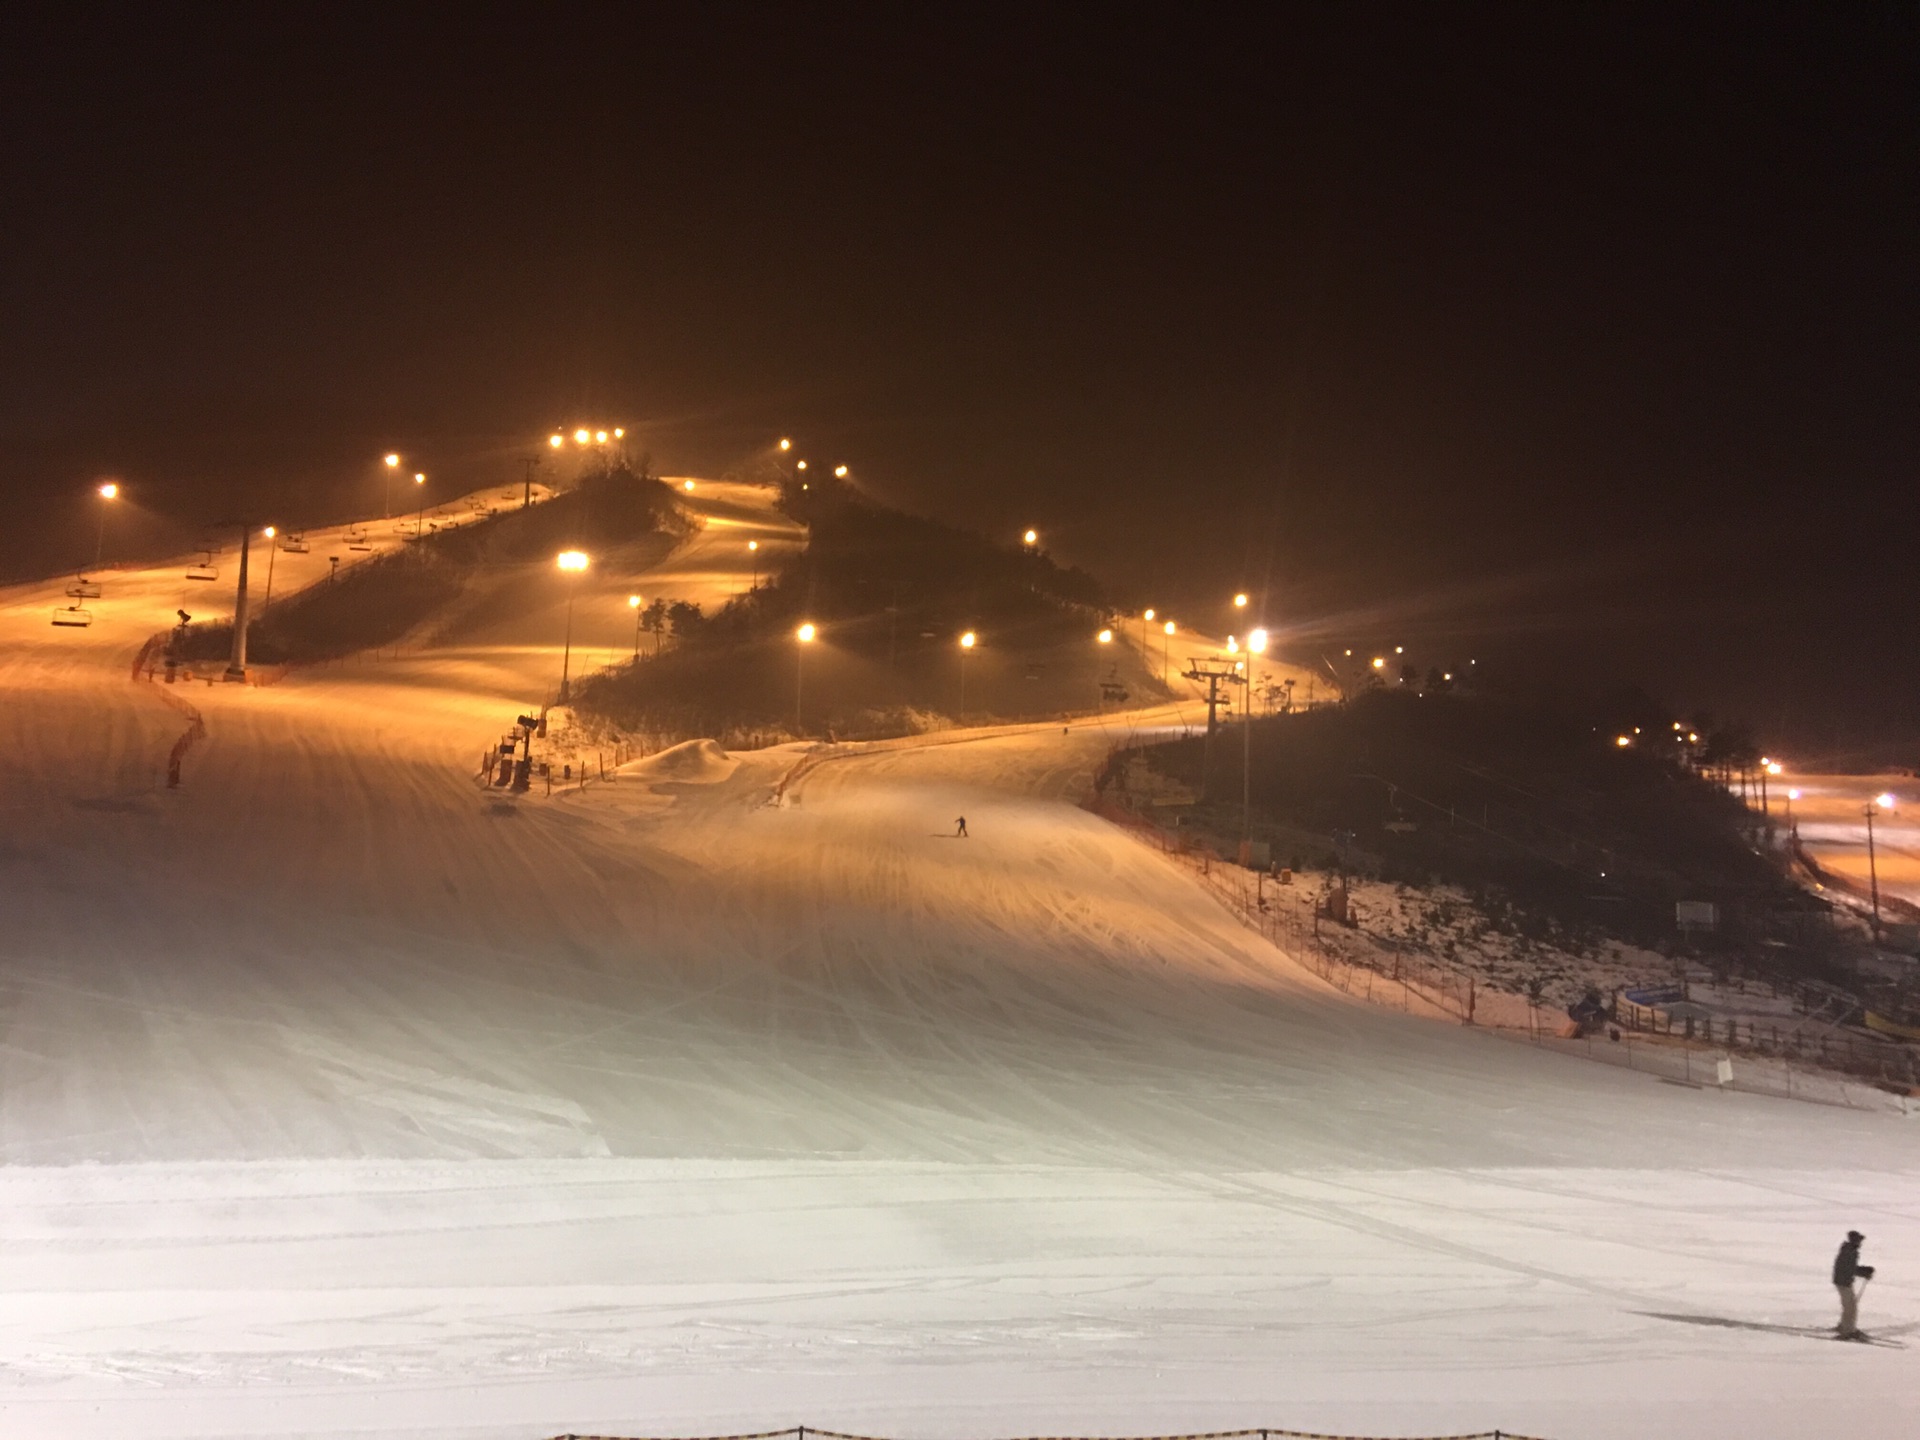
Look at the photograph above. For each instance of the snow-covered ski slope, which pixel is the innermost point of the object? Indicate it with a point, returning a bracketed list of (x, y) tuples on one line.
[(339, 1097)]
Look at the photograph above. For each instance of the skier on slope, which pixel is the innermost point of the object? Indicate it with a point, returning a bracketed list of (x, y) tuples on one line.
[(1846, 1265), (960, 828)]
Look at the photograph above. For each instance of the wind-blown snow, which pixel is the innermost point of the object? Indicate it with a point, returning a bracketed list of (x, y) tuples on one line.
[(342, 1097)]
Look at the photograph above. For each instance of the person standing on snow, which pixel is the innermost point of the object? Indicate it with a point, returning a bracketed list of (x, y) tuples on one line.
[(1846, 1265), (960, 830)]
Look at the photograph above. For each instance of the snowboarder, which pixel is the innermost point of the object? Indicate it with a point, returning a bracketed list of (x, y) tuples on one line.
[(1846, 1265), (960, 828)]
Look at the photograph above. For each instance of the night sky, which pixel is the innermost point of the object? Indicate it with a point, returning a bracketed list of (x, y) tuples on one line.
[(1583, 340)]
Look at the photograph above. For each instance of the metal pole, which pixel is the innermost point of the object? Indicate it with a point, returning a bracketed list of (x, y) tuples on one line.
[(1873, 876), (237, 664), (267, 604), (636, 632), (799, 684), (963, 684), (100, 542), (566, 655), (1246, 762)]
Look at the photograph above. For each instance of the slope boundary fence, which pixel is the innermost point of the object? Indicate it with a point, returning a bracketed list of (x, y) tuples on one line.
[(802, 1432), (1773, 1061)]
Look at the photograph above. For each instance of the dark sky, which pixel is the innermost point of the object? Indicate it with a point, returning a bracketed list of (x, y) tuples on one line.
[(1584, 338)]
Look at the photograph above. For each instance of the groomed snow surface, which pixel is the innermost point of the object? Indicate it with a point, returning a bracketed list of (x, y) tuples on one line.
[(340, 1097)]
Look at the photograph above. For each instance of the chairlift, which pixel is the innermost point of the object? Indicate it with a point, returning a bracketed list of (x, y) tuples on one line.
[(295, 543), (357, 540), (83, 589), (204, 570), (72, 615)]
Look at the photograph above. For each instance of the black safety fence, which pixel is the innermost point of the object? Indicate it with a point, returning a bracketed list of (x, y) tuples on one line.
[(809, 1432)]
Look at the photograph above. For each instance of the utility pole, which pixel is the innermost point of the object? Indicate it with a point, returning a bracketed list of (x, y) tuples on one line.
[(1873, 873), (237, 664), (531, 462)]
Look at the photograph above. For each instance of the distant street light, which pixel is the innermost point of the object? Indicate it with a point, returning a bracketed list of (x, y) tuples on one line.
[(753, 550), (839, 472), (1792, 795), (572, 563), (1105, 637), (556, 441), (108, 493), (966, 649), (1240, 601), (804, 635), (786, 445), (420, 521), (633, 603), (580, 437), (1166, 649), (1030, 539), (386, 494), (688, 486)]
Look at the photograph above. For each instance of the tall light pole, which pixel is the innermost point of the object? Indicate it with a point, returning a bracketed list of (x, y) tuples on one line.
[(420, 521), (753, 552), (1146, 619), (1882, 801), (572, 563), (1166, 649), (966, 649), (273, 551), (803, 637), (1792, 795), (1105, 637), (392, 463), (108, 493), (633, 603), (1256, 646)]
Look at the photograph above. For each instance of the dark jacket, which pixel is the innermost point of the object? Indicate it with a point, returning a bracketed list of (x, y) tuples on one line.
[(1847, 1264)]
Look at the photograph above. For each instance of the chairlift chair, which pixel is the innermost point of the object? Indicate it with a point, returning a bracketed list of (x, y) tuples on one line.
[(357, 540), (83, 589), (295, 543), (205, 569), (72, 615)]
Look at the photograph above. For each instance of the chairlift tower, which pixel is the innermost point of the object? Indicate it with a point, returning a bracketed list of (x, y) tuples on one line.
[(1216, 671), (237, 664)]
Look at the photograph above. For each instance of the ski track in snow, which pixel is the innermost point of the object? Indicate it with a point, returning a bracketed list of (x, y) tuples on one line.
[(341, 1098)]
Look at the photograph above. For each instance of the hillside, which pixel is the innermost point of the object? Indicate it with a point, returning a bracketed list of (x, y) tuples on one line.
[(890, 596)]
